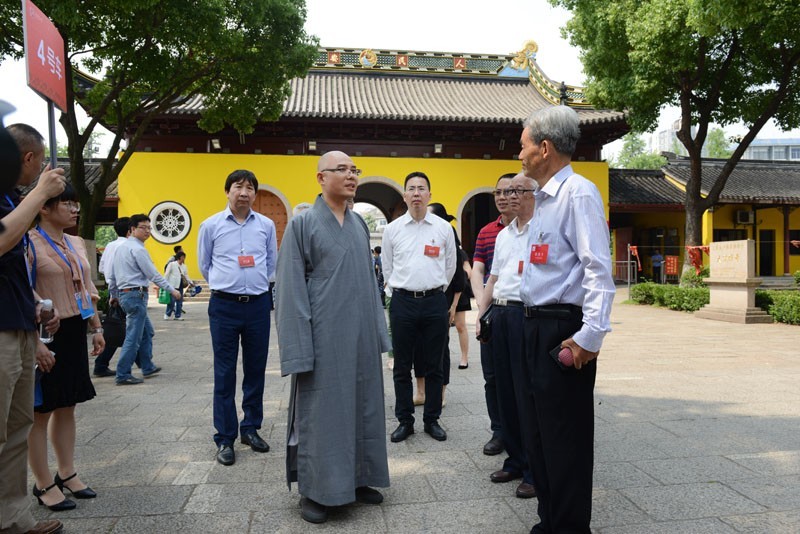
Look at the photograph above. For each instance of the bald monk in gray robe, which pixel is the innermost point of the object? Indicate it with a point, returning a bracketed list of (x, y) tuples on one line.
[(331, 331)]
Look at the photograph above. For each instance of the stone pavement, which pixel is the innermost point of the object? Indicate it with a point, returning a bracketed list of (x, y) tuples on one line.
[(696, 431)]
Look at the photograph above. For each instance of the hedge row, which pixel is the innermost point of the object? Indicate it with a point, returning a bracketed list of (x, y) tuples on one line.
[(783, 306)]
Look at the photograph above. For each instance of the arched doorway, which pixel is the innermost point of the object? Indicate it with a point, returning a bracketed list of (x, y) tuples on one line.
[(476, 213), (269, 204), (383, 194)]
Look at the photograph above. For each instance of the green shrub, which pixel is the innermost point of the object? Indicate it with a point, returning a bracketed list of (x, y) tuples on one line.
[(783, 306), (102, 303), (690, 278), (642, 293), (797, 278)]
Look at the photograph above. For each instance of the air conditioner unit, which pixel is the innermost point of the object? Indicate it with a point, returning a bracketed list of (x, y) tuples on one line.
[(745, 217)]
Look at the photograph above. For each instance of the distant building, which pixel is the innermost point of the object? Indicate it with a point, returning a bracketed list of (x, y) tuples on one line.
[(773, 150)]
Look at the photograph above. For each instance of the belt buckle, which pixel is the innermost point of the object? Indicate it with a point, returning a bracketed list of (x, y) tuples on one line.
[(243, 298), (419, 294), (501, 302)]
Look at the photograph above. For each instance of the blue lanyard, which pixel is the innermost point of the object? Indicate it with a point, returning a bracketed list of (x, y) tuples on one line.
[(58, 251), (25, 244)]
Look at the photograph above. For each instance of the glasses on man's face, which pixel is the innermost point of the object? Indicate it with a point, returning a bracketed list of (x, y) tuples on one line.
[(517, 191), (344, 171), (416, 189), (145, 228), (71, 206)]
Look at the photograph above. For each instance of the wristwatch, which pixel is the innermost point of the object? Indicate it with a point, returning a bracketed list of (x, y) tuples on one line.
[(97, 330)]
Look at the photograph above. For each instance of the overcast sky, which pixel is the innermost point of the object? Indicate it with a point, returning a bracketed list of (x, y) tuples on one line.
[(498, 27)]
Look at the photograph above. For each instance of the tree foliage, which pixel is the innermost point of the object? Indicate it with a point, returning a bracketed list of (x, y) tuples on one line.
[(150, 55), (635, 156), (720, 61), (717, 145)]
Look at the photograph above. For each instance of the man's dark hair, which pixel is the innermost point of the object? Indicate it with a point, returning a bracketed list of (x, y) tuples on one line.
[(176, 249), (241, 176), (136, 219), (506, 176), (122, 226), (27, 137), (417, 174), (180, 254), (378, 249)]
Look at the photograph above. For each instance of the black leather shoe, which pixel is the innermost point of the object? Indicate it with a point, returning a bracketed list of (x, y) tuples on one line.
[(504, 476), (493, 447), (85, 493), (225, 455), (255, 442), (101, 373), (435, 431), (526, 491), (313, 512), (402, 432), (367, 495), (66, 504)]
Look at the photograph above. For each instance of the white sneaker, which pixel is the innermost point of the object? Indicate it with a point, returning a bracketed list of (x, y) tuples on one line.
[(167, 317)]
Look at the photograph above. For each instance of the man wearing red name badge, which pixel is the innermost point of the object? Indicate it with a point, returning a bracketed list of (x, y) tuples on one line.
[(237, 252), (567, 290), (419, 261)]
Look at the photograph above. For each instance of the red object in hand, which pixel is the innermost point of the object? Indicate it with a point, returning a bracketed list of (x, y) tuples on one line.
[(565, 357)]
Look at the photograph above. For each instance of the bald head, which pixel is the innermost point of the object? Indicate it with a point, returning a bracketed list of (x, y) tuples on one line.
[(330, 160)]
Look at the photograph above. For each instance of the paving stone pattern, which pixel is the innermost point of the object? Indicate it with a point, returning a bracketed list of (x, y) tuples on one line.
[(696, 432)]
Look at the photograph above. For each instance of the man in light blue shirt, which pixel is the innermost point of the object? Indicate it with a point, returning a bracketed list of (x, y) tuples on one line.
[(128, 284), (237, 251), (567, 290)]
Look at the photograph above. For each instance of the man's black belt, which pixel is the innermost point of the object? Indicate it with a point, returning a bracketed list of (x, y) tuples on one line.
[(506, 302), (419, 294), (236, 298), (553, 310), (142, 289)]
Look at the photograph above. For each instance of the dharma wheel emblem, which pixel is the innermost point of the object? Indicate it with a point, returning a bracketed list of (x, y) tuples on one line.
[(171, 222)]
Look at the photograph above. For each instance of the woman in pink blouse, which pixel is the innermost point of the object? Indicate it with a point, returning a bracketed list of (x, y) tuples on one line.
[(60, 272)]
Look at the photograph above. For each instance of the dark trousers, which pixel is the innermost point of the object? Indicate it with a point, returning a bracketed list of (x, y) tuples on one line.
[(508, 352), (232, 323), (559, 435), (424, 319), (102, 361), (490, 388)]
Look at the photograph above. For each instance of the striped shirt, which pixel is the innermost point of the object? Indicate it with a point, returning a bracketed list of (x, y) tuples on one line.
[(484, 245)]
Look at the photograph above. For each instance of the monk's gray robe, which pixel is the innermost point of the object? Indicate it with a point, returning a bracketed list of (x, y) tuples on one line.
[(331, 332)]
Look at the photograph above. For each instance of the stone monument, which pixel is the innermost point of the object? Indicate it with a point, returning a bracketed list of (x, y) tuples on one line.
[(733, 284)]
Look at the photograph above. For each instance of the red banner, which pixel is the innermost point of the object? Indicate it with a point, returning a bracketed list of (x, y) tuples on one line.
[(634, 249), (696, 256), (44, 55), (671, 265)]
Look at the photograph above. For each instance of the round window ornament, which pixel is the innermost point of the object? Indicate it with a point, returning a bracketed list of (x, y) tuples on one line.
[(171, 222)]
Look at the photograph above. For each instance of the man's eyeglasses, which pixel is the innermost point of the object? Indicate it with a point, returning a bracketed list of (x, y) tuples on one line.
[(510, 192), (71, 206), (145, 228), (344, 170)]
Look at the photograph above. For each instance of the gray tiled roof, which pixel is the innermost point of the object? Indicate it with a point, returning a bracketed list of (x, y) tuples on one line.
[(92, 177), (357, 95), (752, 182), (641, 188)]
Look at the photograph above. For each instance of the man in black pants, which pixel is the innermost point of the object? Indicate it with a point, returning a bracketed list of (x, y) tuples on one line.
[(419, 260), (567, 290)]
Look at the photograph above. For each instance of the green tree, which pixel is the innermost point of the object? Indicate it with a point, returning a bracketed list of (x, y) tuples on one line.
[(721, 62), (152, 56), (634, 156), (717, 144)]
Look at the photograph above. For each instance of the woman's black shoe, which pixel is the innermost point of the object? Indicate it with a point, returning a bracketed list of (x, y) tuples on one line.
[(66, 504), (85, 493)]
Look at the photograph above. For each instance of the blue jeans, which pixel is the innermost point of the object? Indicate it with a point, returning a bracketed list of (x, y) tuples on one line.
[(138, 335), (176, 305), (232, 323)]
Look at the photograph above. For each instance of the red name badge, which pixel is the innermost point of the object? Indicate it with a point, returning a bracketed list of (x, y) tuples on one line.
[(519, 269), (247, 261), (539, 254), (432, 251)]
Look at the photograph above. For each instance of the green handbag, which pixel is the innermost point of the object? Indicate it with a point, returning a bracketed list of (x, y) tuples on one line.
[(163, 296)]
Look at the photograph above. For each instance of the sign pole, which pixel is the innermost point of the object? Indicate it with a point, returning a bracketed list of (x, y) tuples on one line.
[(51, 120)]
